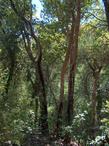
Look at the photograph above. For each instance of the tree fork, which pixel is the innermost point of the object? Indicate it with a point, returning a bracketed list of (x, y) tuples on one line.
[(37, 64)]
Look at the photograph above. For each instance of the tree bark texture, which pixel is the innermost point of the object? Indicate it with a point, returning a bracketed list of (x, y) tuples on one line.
[(73, 41)]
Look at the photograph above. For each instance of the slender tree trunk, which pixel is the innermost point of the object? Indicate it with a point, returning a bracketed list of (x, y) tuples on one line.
[(12, 57), (94, 103), (35, 93), (69, 12), (43, 100), (61, 100), (71, 79), (99, 99), (99, 107), (73, 55), (36, 111), (70, 105)]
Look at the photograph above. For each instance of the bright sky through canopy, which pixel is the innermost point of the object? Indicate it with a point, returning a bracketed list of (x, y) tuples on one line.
[(38, 7)]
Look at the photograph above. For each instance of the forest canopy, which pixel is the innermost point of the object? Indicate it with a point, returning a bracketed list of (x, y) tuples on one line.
[(54, 73)]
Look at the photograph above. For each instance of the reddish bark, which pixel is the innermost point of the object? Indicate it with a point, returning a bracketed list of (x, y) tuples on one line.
[(73, 41)]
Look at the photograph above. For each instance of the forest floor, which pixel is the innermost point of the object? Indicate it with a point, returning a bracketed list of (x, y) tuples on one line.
[(41, 140)]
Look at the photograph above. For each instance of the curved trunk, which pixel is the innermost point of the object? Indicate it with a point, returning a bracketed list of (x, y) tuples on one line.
[(36, 60)]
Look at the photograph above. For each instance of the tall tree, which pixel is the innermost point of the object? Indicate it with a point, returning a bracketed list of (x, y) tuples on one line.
[(69, 23), (27, 32), (73, 43)]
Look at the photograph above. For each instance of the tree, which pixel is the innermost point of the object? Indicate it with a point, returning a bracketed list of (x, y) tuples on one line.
[(53, 72), (106, 6), (96, 59), (27, 26), (73, 43)]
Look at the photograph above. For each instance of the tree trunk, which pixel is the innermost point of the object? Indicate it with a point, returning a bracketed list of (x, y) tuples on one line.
[(73, 41), (68, 57), (36, 111), (12, 59), (36, 60), (70, 105), (94, 103), (43, 100), (106, 6), (35, 93), (99, 107), (60, 108)]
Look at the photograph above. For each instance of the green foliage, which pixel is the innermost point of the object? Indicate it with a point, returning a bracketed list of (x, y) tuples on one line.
[(78, 129), (18, 113), (105, 120)]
